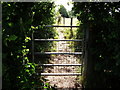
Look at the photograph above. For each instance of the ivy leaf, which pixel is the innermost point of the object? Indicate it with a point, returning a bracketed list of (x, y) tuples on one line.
[(27, 70), (12, 37), (45, 87)]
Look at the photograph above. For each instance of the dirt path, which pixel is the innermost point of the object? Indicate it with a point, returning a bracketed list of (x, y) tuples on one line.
[(63, 81)]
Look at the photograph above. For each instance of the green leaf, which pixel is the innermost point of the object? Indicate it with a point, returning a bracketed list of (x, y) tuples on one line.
[(28, 38), (10, 24), (12, 37), (47, 84), (33, 82), (9, 5), (27, 70), (32, 27), (45, 87)]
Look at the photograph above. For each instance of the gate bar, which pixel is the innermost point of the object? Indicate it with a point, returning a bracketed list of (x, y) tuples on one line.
[(60, 64), (60, 26), (72, 53), (57, 40), (60, 74)]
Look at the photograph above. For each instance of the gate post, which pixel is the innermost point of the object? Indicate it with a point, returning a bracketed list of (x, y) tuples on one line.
[(64, 20), (33, 46), (85, 52), (71, 23), (88, 56)]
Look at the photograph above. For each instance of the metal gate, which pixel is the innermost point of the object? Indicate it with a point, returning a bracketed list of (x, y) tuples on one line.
[(72, 64)]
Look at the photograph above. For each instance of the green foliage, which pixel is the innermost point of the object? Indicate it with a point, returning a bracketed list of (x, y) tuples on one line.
[(20, 19), (63, 11), (71, 13), (104, 21)]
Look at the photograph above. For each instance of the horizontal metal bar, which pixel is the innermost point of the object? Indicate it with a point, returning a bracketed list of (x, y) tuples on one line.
[(57, 40), (60, 26), (60, 64), (71, 53), (60, 74)]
